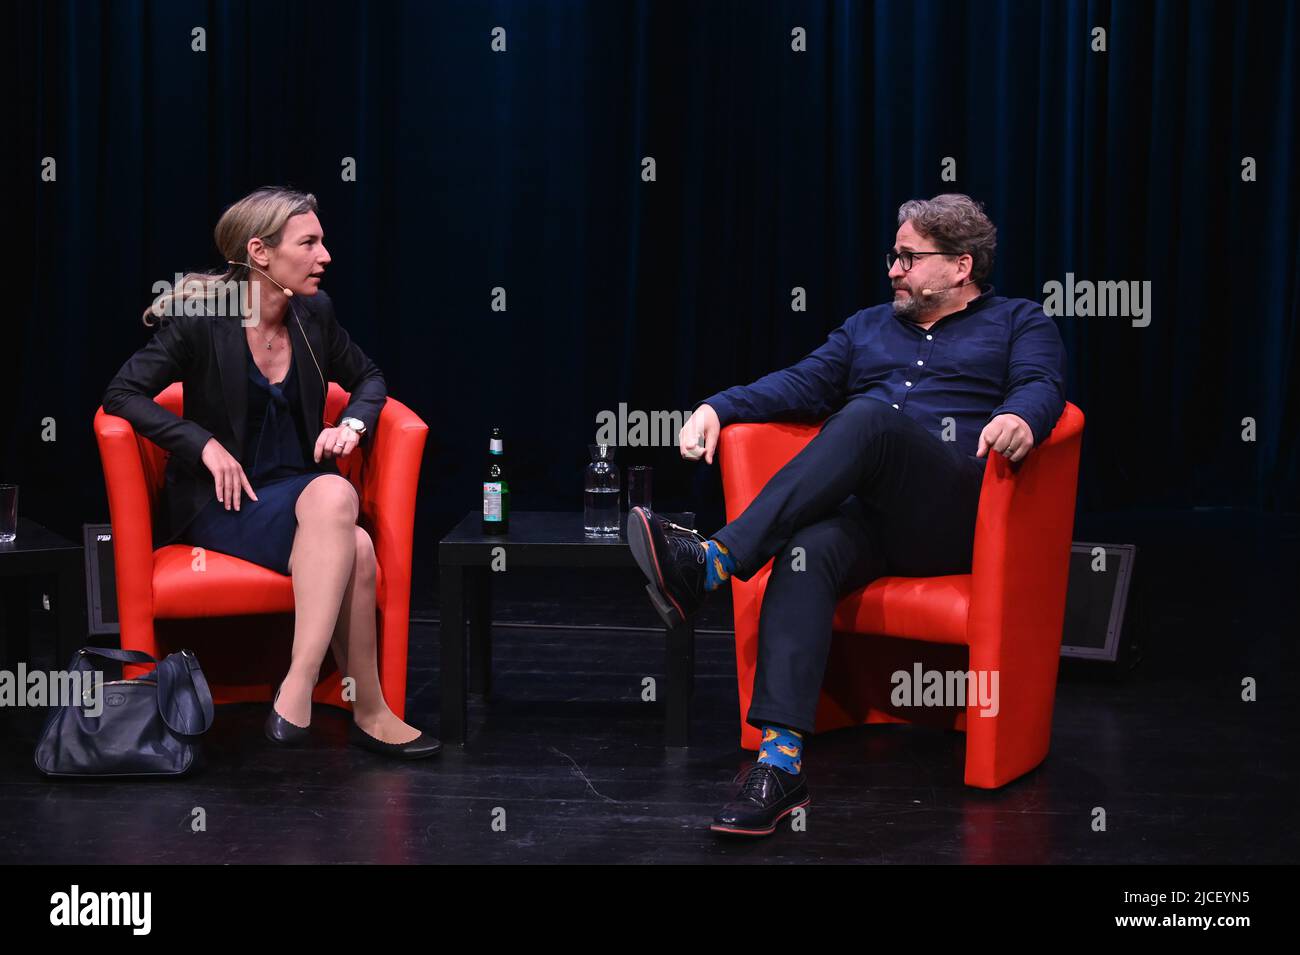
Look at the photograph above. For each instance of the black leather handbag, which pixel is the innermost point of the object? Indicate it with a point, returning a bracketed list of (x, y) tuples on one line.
[(149, 726)]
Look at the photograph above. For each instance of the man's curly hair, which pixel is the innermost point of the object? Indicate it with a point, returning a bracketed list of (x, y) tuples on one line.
[(956, 223)]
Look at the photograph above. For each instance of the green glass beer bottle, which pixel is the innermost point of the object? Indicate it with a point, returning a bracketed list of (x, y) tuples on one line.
[(496, 489)]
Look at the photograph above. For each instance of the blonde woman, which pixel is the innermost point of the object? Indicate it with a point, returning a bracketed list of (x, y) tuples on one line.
[(252, 470)]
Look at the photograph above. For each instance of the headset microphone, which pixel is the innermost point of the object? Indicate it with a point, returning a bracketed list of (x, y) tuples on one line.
[(250, 265), (289, 294), (306, 341), (935, 291), (324, 389)]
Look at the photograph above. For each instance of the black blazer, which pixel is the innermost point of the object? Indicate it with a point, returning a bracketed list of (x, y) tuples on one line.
[(206, 353)]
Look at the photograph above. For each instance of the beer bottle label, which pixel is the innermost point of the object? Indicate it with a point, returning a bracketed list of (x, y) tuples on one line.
[(492, 501)]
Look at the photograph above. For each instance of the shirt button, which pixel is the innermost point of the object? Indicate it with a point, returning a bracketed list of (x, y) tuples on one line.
[(895, 406), (919, 362), (908, 383), (928, 337)]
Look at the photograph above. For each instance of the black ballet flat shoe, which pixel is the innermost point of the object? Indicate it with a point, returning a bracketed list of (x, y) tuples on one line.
[(279, 730), (418, 748)]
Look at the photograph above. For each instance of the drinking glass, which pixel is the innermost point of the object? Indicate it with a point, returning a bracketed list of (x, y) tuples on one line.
[(640, 483)]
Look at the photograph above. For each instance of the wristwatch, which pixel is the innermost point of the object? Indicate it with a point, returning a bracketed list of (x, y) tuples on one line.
[(356, 424)]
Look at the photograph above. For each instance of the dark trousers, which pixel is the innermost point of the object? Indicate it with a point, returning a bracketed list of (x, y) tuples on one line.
[(874, 494)]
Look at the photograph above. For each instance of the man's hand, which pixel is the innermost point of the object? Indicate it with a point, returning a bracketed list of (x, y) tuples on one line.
[(1007, 434), (700, 434), (336, 443)]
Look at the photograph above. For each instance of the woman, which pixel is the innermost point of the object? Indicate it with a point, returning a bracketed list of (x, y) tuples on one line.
[(254, 382)]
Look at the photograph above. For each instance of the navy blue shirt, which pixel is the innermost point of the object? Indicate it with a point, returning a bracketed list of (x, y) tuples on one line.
[(997, 356), (275, 433)]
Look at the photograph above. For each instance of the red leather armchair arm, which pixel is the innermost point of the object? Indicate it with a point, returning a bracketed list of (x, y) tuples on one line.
[(750, 453), (1022, 544), (132, 472), (388, 494), (387, 489)]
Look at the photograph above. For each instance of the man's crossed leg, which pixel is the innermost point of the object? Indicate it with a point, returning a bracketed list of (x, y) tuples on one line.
[(872, 494)]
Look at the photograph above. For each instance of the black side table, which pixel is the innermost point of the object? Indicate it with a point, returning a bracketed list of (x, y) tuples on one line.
[(536, 539), (38, 551)]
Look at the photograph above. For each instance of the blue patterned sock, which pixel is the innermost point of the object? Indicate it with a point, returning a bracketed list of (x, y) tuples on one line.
[(721, 565), (782, 748)]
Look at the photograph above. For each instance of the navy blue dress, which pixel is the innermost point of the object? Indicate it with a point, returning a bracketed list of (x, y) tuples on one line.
[(262, 531)]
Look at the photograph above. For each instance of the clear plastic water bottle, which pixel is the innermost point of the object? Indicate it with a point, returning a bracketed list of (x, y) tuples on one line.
[(600, 504)]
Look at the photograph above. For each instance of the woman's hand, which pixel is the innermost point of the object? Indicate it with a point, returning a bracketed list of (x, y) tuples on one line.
[(227, 472), (336, 443)]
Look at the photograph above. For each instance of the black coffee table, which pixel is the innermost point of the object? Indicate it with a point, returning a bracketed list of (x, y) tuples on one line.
[(38, 551), (536, 539)]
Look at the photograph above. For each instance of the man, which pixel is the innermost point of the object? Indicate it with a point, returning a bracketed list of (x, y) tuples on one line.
[(917, 393)]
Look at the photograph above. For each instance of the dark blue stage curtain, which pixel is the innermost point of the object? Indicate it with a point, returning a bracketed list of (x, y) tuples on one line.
[(774, 169)]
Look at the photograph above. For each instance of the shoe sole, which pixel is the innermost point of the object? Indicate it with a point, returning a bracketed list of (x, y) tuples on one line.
[(642, 543), (356, 741), (406, 756), (284, 742), (733, 831)]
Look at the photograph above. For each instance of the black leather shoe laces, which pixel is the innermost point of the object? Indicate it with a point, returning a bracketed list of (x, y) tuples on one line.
[(754, 782), (686, 548)]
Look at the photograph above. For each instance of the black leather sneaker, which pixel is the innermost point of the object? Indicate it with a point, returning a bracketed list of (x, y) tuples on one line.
[(672, 559), (767, 795)]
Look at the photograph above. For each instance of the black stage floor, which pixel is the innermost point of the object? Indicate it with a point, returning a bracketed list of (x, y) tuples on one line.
[(1186, 772)]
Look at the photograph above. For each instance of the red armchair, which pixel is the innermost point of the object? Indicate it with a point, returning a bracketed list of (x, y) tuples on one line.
[(1005, 616), (238, 616)]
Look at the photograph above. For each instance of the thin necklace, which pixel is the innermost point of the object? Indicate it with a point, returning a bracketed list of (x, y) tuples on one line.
[(272, 338)]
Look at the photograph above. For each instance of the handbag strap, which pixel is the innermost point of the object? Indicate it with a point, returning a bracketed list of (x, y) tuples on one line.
[(108, 653), (184, 697)]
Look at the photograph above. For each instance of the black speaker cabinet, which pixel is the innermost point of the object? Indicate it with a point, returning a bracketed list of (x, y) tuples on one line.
[(101, 582), (1096, 600)]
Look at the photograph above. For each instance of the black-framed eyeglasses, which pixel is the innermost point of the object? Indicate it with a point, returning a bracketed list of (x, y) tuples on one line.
[(906, 258)]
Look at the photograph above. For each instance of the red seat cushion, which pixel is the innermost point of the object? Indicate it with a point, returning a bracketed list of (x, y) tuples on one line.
[(228, 586), (919, 608)]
